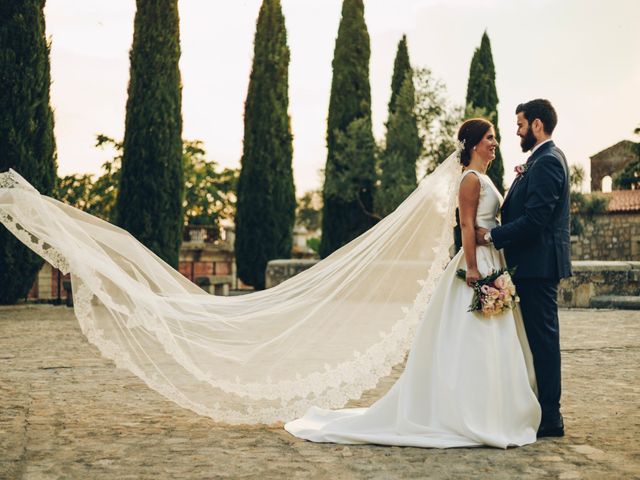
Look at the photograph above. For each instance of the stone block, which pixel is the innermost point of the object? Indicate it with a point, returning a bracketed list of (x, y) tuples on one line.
[(280, 270), (582, 295)]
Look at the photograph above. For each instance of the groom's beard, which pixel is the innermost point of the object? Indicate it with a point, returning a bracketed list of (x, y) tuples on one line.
[(528, 141)]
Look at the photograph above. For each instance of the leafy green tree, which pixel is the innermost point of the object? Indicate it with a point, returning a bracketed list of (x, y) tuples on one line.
[(27, 142), (309, 215), (347, 214), (438, 120), (309, 211), (91, 195), (577, 198), (482, 95), (576, 177), (149, 201), (209, 194), (583, 206), (266, 193)]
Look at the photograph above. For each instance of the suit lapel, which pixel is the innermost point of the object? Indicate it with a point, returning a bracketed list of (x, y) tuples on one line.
[(510, 191), (532, 158), (514, 185)]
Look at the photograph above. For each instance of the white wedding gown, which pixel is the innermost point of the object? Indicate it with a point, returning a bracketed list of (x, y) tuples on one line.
[(468, 379)]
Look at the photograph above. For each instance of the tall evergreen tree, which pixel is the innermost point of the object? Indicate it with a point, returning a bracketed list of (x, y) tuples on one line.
[(403, 144), (149, 202), (482, 99), (347, 214), (401, 70), (266, 194), (27, 143)]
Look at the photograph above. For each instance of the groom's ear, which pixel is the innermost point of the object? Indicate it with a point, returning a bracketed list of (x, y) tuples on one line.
[(537, 126)]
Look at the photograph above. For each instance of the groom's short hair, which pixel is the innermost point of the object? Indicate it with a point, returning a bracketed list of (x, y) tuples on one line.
[(541, 109)]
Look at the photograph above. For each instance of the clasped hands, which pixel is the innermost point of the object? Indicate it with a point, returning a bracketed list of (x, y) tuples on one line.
[(480, 231)]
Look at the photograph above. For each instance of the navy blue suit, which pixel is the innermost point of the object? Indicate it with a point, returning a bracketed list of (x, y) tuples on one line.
[(535, 238)]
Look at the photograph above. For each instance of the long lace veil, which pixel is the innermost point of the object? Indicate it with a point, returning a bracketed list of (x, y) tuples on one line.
[(320, 338)]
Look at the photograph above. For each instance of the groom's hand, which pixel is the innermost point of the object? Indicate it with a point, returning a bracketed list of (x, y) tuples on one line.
[(480, 236)]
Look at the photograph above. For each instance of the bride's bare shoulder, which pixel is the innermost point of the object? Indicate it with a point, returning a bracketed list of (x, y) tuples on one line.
[(470, 184)]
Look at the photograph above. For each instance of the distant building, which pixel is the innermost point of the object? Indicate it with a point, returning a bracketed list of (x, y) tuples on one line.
[(608, 162), (615, 233)]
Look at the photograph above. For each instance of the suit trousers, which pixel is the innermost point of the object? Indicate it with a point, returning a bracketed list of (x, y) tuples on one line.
[(539, 305)]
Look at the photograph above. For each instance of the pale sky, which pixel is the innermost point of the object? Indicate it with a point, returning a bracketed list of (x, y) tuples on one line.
[(580, 54)]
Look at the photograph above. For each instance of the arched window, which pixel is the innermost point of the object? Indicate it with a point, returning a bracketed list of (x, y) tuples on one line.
[(606, 184)]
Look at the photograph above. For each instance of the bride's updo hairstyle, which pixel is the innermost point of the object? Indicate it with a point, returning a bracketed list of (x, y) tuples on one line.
[(471, 132)]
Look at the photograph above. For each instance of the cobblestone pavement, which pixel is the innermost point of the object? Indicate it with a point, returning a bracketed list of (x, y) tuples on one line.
[(65, 412)]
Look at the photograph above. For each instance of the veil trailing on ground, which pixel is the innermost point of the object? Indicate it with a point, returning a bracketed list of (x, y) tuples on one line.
[(320, 338)]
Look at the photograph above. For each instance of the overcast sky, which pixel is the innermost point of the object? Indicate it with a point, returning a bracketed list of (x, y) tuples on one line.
[(580, 54)]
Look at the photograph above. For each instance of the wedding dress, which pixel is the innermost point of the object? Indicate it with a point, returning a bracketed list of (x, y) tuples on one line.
[(468, 380), (319, 339)]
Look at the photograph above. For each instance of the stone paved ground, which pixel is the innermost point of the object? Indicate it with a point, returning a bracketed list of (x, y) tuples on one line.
[(65, 412)]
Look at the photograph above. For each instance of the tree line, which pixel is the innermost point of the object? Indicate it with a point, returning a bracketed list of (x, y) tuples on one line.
[(158, 182)]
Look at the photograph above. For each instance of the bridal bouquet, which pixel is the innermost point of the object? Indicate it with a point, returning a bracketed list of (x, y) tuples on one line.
[(492, 294)]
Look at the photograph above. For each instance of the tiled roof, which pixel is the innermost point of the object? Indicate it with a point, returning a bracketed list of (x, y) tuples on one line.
[(623, 200)]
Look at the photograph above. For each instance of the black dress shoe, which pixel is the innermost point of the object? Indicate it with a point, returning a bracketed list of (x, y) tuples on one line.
[(551, 429)]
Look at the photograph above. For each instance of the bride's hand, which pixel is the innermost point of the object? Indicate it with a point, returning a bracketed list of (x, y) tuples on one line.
[(473, 275)]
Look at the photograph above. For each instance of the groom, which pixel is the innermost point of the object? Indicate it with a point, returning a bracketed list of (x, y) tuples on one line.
[(535, 238)]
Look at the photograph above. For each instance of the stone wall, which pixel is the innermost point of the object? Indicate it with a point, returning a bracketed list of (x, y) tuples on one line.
[(280, 270), (596, 278), (590, 279), (608, 236)]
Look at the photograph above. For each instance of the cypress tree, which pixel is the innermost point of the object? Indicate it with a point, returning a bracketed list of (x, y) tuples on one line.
[(149, 201), (401, 69), (346, 214), (27, 143), (482, 98), (403, 144), (266, 194)]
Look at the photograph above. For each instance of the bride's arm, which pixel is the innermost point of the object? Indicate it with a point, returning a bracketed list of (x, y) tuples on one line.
[(468, 199)]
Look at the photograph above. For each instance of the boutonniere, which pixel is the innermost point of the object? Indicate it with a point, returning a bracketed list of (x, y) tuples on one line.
[(521, 170)]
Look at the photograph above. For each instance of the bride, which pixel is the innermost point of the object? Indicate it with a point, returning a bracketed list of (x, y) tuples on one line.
[(468, 380), (309, 345)]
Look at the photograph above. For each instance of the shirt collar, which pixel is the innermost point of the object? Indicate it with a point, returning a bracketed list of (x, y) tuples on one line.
[(539, 145)]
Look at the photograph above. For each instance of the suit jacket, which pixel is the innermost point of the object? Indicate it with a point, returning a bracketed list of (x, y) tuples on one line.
[(535, 218)]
